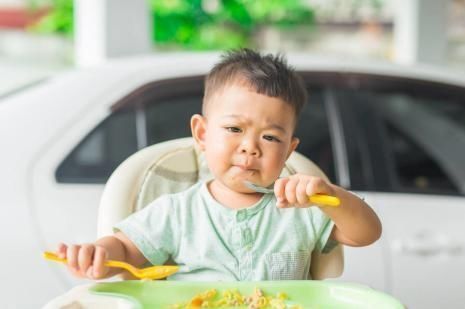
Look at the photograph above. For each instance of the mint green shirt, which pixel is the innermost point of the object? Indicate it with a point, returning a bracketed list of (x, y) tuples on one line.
[(211, 242)]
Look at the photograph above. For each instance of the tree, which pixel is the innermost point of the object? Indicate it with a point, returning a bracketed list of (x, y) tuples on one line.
[(199, 24)]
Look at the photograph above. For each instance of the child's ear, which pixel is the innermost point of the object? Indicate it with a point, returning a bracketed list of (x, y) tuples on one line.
[(294, 143), (198, 128)]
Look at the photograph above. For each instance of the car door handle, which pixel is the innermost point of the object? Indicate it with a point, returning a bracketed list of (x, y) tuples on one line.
[(431, 250), (421, 249), (428, 244)]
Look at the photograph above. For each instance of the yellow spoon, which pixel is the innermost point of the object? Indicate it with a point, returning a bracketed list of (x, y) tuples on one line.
[(153, 272), (320, 199)]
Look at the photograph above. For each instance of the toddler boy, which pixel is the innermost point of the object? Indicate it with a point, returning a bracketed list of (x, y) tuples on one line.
[(220, 229)]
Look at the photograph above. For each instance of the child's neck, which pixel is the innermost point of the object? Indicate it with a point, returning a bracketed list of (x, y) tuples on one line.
[(230, 198)]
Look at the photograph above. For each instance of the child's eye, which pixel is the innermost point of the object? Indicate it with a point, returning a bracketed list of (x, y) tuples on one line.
[(271, 138), (233, 129)]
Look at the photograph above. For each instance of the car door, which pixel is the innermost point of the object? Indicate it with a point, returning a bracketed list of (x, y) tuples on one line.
[(411, 134), (326, 135)]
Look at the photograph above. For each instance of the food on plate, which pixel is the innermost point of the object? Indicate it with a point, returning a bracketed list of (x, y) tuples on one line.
[(234, 299)]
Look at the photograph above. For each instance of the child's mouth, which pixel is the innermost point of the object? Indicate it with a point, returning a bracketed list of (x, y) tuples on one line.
[(245, 168)]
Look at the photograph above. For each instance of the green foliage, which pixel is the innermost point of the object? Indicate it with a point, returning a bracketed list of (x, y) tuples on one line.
[(199, 24), (283, 13), (59, 20)]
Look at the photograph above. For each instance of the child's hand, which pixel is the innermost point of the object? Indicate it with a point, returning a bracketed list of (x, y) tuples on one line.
[(85, 261), (294, 191)]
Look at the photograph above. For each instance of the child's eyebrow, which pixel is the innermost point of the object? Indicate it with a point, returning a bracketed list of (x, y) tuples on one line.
[(231, 116), (269, 126), (276, 127)]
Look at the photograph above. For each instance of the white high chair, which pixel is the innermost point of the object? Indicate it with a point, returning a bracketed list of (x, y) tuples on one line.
[(173, 166)]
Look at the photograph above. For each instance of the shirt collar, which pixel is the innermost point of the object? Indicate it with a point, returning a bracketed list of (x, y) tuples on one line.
[(249, 211)]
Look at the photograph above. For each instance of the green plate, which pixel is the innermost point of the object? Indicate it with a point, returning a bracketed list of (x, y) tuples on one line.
[(308, 293)]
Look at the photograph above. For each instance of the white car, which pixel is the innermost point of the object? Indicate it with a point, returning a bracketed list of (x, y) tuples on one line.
[(395, 135)]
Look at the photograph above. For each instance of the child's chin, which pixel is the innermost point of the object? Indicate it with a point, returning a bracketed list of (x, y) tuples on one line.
[(239, 186)]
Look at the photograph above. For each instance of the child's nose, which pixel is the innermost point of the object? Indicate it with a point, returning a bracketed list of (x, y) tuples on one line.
[(250, 147)]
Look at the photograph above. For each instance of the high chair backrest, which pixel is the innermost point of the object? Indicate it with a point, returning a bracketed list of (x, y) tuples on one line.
[(173, 166)]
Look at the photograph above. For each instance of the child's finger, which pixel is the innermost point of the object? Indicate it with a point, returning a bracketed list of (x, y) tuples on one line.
[(282, 203), (90, 272), (85, 257), (76, 273), (100, 256), (279, 188), (61, 250), (301, 192), (290, 191), (317, 185), (72, 256)]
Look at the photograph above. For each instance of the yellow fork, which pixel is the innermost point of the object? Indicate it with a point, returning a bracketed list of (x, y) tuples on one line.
[(152, 272), (321, 199)]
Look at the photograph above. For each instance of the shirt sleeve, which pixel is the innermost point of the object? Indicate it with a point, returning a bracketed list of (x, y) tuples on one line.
[(322, 227), (152, 230)]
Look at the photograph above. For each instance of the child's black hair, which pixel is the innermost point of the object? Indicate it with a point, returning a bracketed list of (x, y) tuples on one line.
[(266, 74)]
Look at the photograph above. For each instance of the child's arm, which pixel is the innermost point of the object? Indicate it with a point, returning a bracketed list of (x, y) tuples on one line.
[(356, 224), (86, 260)]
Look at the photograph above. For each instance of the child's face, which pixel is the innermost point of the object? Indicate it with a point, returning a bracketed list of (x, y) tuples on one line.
[(245, 136)]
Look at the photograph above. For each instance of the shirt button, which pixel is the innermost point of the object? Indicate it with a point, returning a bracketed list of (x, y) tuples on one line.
[(247, 236), (240, 216)]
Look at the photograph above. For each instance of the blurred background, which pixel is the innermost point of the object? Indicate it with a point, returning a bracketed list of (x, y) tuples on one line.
[(40, 37), (393, 133)]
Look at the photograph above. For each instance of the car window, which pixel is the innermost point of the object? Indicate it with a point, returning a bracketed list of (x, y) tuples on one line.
[(169, 118), (101, 151), (166, 114), (313, 132), (415, 132), (427, 142)]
